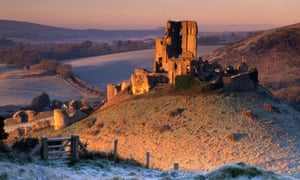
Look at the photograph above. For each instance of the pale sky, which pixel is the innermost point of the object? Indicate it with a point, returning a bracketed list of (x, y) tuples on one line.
[(149, 14)]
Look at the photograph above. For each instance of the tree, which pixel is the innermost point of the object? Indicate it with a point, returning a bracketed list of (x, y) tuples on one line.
[(40, 102), (3, 134), (65, 71), (49, 65)]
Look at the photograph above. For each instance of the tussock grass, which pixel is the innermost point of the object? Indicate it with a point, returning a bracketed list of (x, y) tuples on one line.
[(241, 170)]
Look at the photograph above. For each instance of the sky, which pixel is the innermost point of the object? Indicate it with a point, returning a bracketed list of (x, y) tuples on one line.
[(149, 14)]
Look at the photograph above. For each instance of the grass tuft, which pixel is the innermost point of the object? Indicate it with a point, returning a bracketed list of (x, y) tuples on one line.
[(3, 176), (237, 170)]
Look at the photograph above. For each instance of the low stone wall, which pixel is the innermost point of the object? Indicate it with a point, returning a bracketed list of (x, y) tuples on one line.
[(241, 82), (22, 131), (140, 82)]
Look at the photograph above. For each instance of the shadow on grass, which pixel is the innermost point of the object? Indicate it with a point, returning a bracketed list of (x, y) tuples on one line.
[(96, 155)]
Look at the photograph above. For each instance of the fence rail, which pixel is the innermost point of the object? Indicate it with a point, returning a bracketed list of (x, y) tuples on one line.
[(147, 163), (69, 147)]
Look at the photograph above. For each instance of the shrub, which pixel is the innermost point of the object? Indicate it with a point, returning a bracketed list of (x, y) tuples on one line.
[(235, 171), (217, 84), (185, 81), (253, 73), (40, 102), (249, 172), (65, 71), (25, 145), (56, 104), (176, 112), (49, 65), (3, 134), (4, 176), (211, 86)]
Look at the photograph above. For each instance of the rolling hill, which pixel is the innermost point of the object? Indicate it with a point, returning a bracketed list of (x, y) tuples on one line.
[(26, 32), (200, 131), (276, 54)]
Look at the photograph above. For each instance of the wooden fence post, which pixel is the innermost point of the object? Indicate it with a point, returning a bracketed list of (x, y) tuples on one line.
[(147, 160), (74, 147), (176, 166), (115, 150), (44, 154)]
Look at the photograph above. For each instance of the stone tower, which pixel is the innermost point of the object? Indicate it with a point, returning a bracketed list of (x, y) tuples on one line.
[(61, 119), (177, 49)]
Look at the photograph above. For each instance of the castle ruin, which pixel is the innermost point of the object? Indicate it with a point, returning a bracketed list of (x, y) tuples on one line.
[(176, 55), (176, 52)]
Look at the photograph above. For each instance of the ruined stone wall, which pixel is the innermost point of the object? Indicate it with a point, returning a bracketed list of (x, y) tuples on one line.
[(140, 82), (112, 91), (180, 66), (189, 39), (160, 57), (239, 82), (155, 78), (30, 115), (21, 117), (173, 38), (180, 41), (176, 55), (125, 85)]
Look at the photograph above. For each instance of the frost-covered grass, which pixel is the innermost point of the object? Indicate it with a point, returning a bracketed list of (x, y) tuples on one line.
[(18, 165), (194, 130), (101, 169)]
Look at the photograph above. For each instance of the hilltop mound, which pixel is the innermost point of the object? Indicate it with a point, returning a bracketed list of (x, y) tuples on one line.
[(200, 131), (276, 54)]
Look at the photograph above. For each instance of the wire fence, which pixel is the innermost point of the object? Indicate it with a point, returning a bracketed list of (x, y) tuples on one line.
[(148, 160)]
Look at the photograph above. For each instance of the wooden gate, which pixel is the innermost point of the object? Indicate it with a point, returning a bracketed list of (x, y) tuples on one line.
[(59, 148)]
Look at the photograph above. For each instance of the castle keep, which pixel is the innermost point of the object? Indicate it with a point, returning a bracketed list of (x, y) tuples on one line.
[(176, 55), (175, 52)]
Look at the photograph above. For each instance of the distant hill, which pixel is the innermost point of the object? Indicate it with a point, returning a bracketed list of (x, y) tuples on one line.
[(31, 32), (276, 54), (26, 32), (6, 43)]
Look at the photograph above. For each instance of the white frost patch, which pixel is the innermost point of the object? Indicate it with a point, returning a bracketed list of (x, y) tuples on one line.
[(108, 170)]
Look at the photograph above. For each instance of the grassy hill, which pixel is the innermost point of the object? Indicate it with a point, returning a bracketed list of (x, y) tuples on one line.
[(276, 54), (200, 131)]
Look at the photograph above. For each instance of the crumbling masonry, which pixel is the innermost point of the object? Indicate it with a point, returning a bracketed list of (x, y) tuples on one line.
[(176, 55), (176, 52)]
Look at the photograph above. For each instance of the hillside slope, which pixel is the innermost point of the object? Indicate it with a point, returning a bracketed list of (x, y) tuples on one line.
[(199, 131), (276, 54)]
